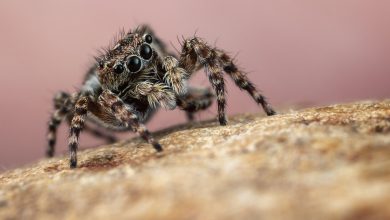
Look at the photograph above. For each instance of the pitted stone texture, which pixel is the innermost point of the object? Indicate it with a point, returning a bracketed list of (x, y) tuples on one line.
[(318, 163)]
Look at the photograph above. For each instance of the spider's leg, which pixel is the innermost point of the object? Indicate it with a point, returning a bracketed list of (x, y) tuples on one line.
[(53, 124), (127, 116), (76, 125), (215, 61), (195, 100), (243, 82), (61, 101), (218, 84), (94, 131), (190, 116), (196, 52)]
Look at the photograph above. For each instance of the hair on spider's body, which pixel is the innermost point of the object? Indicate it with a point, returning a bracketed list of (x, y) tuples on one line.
[(134, 77)]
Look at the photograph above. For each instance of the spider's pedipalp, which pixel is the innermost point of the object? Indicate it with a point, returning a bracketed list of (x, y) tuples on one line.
[(175, 76), (154, 93)]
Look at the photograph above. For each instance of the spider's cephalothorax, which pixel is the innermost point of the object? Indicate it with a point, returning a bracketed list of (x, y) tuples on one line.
[(137, 75)]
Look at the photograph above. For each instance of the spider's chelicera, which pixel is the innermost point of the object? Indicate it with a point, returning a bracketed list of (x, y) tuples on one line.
[(136, 76)]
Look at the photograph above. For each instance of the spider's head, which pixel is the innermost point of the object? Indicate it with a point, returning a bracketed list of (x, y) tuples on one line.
[(130, 57)]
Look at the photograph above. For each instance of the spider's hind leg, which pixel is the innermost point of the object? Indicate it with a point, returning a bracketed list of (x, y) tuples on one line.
[(62, 108), (197, 99)]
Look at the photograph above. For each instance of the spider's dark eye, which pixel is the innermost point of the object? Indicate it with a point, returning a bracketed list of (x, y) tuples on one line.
[(148, 39), (146, 51), (119, 68), (134, 64)]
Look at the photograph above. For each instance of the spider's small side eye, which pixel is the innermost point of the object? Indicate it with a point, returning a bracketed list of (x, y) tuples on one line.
[(148, 38), (134, 64), (146, 51), (119, 68)]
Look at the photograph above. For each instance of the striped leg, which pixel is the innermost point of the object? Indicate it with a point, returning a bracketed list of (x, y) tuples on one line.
[(242, 81), (218, 84), (76, 125), (195, 52), (54, 122), (61, 101), (215, 62), (195, 100), (109, 138), (125, 115)]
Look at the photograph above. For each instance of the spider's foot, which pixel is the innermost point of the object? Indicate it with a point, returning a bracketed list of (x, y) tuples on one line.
[(268, 109), (158, 147), (222, 120), (271, 112), (73, 163)]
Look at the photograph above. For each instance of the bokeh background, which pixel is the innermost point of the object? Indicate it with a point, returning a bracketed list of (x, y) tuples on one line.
[(300, 52)]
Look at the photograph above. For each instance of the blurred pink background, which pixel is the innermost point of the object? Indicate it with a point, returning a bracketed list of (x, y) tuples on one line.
[(301, 51)]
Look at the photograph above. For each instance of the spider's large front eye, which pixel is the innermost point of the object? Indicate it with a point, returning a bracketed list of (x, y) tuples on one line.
[(134, 64), (148, 38), (146, 51), (119, 68)]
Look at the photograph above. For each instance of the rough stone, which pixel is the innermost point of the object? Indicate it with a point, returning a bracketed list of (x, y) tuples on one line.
[(318, 163)]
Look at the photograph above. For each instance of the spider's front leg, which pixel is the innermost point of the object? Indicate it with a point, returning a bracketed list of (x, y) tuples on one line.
[(215, 62), (190, 100), (126, 115), (243, 82), (196, 52), (76, 125)]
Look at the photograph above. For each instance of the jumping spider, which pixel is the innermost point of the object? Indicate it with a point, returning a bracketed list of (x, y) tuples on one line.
[(134, 77)]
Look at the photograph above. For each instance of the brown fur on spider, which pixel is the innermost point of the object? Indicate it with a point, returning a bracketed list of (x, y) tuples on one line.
[(136, 76)]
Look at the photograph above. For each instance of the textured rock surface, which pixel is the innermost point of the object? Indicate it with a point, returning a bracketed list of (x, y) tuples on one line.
[(319, 163)]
